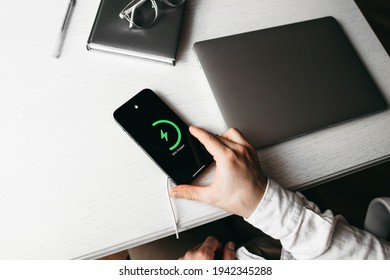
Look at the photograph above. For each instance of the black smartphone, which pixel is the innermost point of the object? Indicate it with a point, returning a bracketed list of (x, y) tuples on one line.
[(163, 136)]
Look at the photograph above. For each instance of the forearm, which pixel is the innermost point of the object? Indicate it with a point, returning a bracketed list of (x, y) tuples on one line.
[(307, 233)]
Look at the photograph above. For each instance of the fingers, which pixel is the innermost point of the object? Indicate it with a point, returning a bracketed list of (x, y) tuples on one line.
[(206, 251), (219, 147), (211, 244), (212, 144), (215, 145), (234, 135), (228, 251), (189, 192)]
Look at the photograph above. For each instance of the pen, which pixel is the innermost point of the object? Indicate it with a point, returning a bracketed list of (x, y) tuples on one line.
[(61, 35)]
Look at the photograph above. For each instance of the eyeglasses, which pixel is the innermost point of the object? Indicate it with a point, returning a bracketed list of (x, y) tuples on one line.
[(143, 13)]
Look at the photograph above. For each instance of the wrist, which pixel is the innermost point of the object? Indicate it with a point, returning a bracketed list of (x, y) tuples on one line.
[(251, 204)]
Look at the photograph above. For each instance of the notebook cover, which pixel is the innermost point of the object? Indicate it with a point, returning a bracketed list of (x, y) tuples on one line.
[(158, 42)]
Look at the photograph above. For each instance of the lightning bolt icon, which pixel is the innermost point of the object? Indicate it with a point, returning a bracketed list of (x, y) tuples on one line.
[(164, 135)]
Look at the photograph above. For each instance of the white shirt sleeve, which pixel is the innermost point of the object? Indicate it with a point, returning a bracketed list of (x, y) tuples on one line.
[(306, 233)]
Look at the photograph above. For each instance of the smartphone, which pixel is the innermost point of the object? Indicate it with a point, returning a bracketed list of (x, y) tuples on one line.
[(163, 136)]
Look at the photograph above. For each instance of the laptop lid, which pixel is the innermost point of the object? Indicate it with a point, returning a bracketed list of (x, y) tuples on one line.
[(282, 82)]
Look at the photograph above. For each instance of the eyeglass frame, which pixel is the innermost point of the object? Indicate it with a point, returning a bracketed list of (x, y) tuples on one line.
[(128, 11)]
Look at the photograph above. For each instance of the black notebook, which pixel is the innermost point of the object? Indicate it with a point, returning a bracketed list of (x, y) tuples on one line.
[(158, 42)]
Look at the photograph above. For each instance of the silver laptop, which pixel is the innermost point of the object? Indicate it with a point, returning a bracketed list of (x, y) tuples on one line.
[(279, 83)]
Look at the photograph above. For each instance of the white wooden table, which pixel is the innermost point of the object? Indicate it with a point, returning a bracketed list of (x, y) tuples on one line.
[(73, 185)]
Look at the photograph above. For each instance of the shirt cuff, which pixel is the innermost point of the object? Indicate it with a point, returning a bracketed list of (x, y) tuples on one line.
[(278, 212)]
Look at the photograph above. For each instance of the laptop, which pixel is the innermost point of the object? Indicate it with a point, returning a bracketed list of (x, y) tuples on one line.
[(279, 83)]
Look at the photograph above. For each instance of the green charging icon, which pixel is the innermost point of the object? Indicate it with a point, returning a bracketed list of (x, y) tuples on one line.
[(164, 135)]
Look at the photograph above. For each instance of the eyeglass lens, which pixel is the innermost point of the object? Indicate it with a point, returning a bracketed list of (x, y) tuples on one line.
[(144, 14), (174, 3)]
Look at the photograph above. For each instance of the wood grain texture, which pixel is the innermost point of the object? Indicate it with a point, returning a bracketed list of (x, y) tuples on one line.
[(73, 185)]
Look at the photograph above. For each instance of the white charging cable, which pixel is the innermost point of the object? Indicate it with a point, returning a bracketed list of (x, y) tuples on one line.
[(172, 210)]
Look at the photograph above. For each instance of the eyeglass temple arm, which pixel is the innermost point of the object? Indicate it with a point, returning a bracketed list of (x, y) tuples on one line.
[(129, 9)]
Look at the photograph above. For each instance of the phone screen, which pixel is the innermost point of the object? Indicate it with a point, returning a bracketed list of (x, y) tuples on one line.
[(163, 136)]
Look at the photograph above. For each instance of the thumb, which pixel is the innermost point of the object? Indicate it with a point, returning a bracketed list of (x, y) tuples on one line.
[(188, 192)]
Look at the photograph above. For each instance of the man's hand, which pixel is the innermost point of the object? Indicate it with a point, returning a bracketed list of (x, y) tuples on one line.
[(239, 183), (208, 249)]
